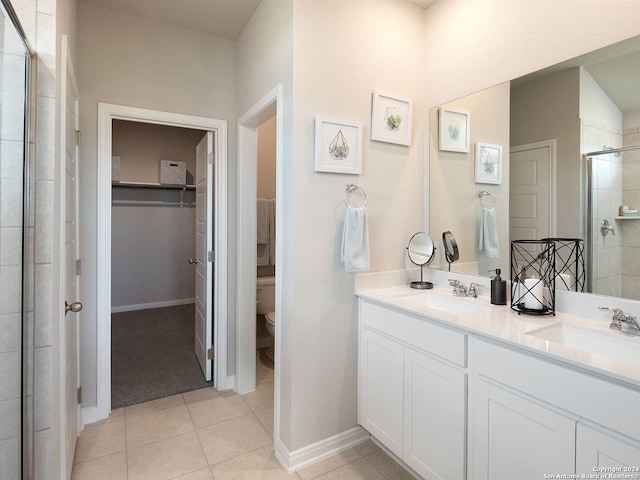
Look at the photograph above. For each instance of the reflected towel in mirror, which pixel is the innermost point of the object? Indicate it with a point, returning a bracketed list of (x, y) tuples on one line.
[(489, 232), (355, 240)]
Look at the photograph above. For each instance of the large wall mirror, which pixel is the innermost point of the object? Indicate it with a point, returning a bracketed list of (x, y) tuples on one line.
[(544, 123)]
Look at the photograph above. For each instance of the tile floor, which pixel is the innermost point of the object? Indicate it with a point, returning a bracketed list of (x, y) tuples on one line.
[(207, 435)]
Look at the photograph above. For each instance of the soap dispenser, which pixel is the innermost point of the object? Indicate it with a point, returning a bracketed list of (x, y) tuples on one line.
[(498, 289)]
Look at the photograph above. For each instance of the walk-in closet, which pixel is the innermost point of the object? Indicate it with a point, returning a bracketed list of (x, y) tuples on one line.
[(153, 226)]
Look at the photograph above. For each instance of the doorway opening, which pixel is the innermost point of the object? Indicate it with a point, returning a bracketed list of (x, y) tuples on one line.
[(213, 264), (153, 266)]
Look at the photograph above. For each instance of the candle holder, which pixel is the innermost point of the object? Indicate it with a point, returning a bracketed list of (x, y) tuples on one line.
[(570, 272), (533, 275)]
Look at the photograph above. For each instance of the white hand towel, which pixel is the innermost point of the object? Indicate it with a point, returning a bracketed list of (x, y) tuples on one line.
[(355, 240), (262, 216), (489, 232), (272, 231)]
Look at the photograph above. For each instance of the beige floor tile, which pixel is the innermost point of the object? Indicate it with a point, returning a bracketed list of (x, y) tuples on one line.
[(109, 467), (154, 426), (265, 416), (228, 439), (215, 410), (263, 373), (259, 464), (200, 394), (359, 469), (367, 447), (388, 466), (204, 474), (154, 405), (166, 459), (99, 440), (329, 464), (261, 397)]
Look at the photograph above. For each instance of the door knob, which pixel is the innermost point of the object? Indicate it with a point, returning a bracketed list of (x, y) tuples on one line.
[(193, 260), (75, 307)]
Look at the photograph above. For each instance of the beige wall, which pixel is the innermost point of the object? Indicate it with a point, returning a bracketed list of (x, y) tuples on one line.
[(128, 60), (453, 192), (267, 159)]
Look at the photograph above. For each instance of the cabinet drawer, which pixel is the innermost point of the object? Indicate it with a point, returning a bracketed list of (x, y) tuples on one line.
[(419, 333)]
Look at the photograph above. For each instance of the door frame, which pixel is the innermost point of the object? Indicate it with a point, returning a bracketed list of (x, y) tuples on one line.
[(265, 108), (106, 114)]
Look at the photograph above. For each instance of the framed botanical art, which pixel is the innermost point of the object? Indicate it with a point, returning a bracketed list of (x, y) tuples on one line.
[(391, 118), (338, 146), (454, 129), (488, 163)]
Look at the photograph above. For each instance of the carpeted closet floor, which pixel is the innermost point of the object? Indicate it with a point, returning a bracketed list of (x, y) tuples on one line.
[(152, 355)]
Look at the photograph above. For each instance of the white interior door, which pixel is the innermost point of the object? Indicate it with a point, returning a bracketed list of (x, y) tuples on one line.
[(204, 253), (69, 216), (530, 192)]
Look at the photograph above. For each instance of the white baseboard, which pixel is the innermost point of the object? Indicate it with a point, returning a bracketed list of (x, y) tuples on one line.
[(90, 415), (144, 306), (305, 456)]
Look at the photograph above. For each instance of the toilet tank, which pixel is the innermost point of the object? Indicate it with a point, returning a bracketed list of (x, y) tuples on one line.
[(265, 295)]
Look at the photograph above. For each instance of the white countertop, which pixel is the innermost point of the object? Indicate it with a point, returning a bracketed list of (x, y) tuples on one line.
[(501, 323)]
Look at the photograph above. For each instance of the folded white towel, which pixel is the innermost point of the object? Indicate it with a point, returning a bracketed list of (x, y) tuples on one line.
[(272, 231), (262, 216), (355, 240), (489, 232)]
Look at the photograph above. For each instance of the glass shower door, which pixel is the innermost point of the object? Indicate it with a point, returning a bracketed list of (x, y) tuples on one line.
[(14, 357)]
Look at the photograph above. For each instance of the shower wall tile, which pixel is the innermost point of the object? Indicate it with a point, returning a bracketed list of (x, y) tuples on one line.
[(46, 46), (43, 310), (42, 464), (10, 246), (11, 152), (10, 203), (42, 407), (45, 141), (10, 332), (10, 418), (10, 289), (47, 6), (10, 368), (44, 222), (10, 458), (12, 108)]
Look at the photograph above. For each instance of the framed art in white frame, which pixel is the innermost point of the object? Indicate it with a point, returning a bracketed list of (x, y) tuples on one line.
[(488, 163), (391, 118), (454, 129), (338, 146)]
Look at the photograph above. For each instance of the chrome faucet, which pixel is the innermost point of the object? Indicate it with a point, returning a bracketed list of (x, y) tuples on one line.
[(459, 290), (622, 322)]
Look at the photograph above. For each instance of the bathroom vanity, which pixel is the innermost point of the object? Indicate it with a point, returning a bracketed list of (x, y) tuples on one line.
[(458, 388)]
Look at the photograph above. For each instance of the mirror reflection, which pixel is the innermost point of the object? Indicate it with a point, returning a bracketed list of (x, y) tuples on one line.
[(545, 122), (420, 251)]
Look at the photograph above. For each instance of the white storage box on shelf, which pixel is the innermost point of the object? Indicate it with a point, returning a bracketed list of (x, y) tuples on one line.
[(173, 173)]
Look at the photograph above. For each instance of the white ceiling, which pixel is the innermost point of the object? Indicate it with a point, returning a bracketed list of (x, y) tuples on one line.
[(223, 18)]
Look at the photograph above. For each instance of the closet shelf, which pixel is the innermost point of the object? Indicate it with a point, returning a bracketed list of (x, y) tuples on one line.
[(627, 217), (152, 185)]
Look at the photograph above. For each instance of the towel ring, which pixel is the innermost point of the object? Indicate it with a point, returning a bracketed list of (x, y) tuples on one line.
[(348, 196), (483, 194)]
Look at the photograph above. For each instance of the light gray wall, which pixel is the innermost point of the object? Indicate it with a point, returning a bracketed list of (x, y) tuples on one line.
[(151, 244), (549, 109), (129, 60)]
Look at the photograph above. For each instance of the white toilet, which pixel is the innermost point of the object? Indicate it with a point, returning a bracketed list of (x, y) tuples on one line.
[(266, 306)]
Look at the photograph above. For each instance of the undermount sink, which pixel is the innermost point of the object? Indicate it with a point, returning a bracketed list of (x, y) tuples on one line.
[(612, 343), (451, 304)]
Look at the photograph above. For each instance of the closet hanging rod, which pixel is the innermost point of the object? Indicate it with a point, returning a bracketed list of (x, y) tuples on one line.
[(152, 185), (148, 203)]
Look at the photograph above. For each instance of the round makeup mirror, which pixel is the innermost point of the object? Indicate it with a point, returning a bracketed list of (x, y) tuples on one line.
[(451, 253), (421, 251)]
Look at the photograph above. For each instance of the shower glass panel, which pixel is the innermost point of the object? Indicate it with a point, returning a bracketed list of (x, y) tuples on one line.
[(14, 258)]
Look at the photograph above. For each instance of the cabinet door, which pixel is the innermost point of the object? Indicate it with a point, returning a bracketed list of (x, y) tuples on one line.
[(435, 417), (517, 437), (595, 449), (380, 389)]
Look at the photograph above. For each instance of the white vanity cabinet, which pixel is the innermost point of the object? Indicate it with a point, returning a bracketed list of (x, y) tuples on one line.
[(533, 417), (597, 449), (412, 390)]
